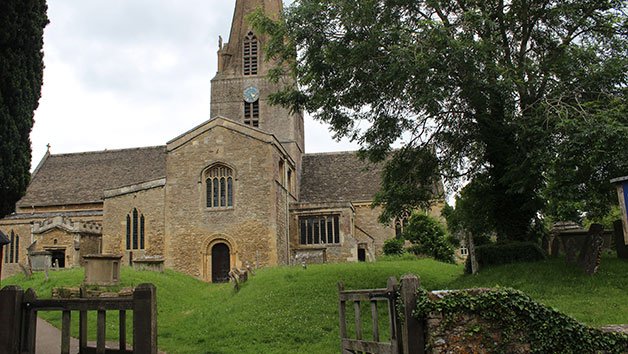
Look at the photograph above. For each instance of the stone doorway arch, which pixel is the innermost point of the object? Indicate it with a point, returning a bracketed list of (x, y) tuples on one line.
[(219, 257), (220, 263)]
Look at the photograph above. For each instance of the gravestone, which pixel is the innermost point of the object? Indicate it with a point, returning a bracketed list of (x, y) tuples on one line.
[(591, 261), (571, 251), (475, 267), (555, 248), (102, 269), (618, 234), (587, 245)]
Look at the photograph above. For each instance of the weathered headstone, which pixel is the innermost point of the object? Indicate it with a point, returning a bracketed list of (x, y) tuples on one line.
[(474, 262), (620, 245), (592, 257), (26, 270), (587, 246), (571, 251), (555, 247), (545, 244)]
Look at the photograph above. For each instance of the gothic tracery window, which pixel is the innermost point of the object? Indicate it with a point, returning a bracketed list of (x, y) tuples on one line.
[(250, 55), (135, 230), (219, 187), (12, 250)]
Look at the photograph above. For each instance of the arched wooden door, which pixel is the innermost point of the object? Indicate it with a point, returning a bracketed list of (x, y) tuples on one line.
[(220, 263)]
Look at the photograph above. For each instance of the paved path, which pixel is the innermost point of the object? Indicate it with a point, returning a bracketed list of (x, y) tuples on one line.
[(49, 340)]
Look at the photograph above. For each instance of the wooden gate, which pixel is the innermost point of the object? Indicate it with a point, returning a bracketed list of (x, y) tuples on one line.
[(18, 320), (388, 297), (406, 333)]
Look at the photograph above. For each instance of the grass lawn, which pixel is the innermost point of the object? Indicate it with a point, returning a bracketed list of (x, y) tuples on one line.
[(290, 309)]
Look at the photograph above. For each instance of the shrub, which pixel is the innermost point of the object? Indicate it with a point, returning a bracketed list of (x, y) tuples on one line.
[(429, 238), (504, 253), (393, 246)]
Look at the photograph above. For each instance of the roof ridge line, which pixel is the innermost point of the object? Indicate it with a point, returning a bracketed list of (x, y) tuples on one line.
[(108, 150)]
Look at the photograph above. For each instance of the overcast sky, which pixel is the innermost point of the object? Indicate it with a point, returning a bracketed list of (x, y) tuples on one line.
[(131, 73)]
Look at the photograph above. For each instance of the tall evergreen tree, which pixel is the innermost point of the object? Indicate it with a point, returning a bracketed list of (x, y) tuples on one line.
[(22, 25), (528, 94)]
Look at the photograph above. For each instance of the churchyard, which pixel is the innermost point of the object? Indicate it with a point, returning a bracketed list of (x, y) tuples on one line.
[(292, 309)]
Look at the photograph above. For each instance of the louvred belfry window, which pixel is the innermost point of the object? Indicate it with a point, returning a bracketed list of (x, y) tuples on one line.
[(251, 113), (219, 187), (250, 55)]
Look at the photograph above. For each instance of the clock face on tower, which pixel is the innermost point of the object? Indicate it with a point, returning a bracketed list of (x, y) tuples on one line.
[(251, 94)]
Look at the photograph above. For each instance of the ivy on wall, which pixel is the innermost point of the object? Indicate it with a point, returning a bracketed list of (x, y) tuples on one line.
[(521, 319)]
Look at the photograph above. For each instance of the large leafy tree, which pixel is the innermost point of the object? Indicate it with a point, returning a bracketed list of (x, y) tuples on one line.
[(529, 94), (22, 24)]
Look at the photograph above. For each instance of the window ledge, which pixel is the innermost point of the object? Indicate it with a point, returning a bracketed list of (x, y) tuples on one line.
[(219, 209)]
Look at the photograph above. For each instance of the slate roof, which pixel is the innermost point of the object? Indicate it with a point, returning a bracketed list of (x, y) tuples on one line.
[(338, 176), (82, 177)]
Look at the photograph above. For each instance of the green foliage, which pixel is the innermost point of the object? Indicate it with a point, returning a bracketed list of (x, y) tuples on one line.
[(607, 220), (504, 253), (429, 238), (22, 25), (393, 246), (404, 189), (523, 319), (530, 97)]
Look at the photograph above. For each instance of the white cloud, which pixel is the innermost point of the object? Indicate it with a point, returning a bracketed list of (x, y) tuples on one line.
[(129, 73)]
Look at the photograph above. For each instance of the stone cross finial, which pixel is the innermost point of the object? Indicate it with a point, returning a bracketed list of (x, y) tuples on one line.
[(48, 148)]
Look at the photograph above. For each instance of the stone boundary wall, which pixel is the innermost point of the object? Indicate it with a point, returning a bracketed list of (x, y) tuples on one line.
[(463, 324)]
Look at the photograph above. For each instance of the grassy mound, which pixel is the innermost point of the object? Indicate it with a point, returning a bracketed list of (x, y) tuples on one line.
[(290, 309)]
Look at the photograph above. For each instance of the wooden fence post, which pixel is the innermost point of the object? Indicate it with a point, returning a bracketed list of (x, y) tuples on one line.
[(10, 318), (392, 286), (413, 332), (145, 319), (29, 323)]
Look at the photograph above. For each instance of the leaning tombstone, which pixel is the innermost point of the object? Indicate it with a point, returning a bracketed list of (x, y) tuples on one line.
[(47, 271), (571, 251), (474, 261), (592, 257), (26, 270), (555, 246), (620, 244), (595, 230)]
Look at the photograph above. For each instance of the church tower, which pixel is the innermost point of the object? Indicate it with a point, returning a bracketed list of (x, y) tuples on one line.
[(240, 90)]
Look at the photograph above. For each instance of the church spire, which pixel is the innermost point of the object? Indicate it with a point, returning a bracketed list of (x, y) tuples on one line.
[(244, 44)]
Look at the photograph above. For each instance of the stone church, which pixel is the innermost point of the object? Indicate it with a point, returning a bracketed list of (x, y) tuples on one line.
[(236, 191)]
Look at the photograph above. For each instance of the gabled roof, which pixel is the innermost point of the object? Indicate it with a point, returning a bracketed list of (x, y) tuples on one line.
[(338, 176), (4, 239), (82, 177)]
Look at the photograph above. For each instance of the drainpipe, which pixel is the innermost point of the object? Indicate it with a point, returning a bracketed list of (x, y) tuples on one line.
[(287, 228)]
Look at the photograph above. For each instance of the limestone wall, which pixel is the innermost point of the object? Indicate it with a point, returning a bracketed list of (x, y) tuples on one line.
[(23, 230), (366, 222), (508, 321), (249, 228), (148, 202), (346, 250)]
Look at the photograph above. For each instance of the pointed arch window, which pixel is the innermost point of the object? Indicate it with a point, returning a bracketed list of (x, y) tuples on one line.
[(12, 250), (219, 187), (250, 55), (135, 230)]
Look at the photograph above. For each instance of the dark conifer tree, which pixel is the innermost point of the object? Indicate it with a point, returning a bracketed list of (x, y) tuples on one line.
[(22, 25)]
